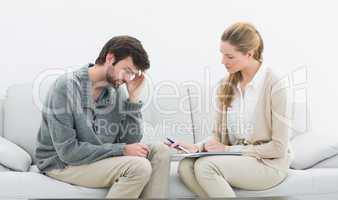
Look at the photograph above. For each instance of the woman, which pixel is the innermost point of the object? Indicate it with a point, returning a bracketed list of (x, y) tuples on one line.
[(251, 118)]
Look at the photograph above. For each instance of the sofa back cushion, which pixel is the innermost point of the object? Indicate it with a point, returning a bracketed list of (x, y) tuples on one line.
[(21, 117), (300, 121), (164, 112), (204, 108)]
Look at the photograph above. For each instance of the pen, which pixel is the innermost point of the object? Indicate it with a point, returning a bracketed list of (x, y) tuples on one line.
[(178, 146)]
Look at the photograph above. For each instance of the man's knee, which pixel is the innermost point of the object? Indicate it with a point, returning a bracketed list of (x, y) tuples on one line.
[(140, 167), (162, 149)]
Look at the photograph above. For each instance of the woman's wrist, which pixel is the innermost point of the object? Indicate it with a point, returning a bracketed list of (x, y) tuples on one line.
[(194, 148), (226, 148), (235, 148)]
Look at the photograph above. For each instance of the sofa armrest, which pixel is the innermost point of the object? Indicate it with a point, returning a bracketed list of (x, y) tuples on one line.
[(14, 157), (312, 148), (331, 162), (4, 169), (1, 117)]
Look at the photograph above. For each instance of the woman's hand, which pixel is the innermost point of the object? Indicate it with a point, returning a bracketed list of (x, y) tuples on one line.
[(190, 147), (214, 146)]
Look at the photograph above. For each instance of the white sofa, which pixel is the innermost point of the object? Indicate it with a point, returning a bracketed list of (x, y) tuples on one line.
[(166, 113)]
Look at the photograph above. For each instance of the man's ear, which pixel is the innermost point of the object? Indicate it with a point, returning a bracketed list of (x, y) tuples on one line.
[(110, 58)]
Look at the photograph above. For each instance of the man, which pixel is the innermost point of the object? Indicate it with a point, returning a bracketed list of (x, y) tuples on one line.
[(90, 131)]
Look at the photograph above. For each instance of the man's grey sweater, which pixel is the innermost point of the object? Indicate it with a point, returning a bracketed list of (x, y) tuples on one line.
[(75, 130)]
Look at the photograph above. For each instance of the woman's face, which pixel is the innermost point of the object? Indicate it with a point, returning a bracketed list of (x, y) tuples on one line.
[(232, 59)]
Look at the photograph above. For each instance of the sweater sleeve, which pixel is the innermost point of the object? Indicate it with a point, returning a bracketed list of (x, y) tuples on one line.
[(131, 121)]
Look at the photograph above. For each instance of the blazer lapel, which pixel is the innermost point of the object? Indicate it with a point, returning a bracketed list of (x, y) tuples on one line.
[(261, 103)]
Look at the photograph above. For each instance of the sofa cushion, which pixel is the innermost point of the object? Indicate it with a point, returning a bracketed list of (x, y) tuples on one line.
[(204, 107), (13, 157), (4, 169), (21, 117), (331, 162), (1, 118), (312, 148), (34, 168), (203, 111), (298, 182), (177, 189), (34, 185), (31, 185), (164, 111), (300, 118)]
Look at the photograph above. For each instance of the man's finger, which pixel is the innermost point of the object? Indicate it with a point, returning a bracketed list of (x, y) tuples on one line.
[(145, 147), (142, 153)]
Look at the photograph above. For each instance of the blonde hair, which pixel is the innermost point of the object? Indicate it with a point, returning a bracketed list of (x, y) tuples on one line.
[(244, 37)]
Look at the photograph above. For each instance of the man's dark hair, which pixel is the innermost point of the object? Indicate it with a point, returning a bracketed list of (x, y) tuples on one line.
[(122, 47)]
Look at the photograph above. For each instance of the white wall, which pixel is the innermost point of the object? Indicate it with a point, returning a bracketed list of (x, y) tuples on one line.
[(181, 37)]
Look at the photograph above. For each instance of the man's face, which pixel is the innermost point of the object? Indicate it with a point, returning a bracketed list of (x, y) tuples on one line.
[(123, 71)]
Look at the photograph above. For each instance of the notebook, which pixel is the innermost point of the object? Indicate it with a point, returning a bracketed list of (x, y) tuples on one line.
[(202, 154)]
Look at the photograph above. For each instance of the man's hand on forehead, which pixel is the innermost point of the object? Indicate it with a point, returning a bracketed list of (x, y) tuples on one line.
[(135, 73)]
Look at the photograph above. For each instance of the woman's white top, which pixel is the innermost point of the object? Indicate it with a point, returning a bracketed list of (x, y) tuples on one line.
[(240, 115)]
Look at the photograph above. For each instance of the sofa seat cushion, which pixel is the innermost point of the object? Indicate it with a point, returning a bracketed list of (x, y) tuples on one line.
[(176, 187), (299, 182), (34, 185)]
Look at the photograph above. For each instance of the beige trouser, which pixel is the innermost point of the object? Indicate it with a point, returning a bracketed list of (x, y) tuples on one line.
[(213, 176), (127, 176)]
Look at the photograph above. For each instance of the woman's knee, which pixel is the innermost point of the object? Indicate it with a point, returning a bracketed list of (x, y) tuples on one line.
[(185, 167), (204, 167), (272, 180)]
